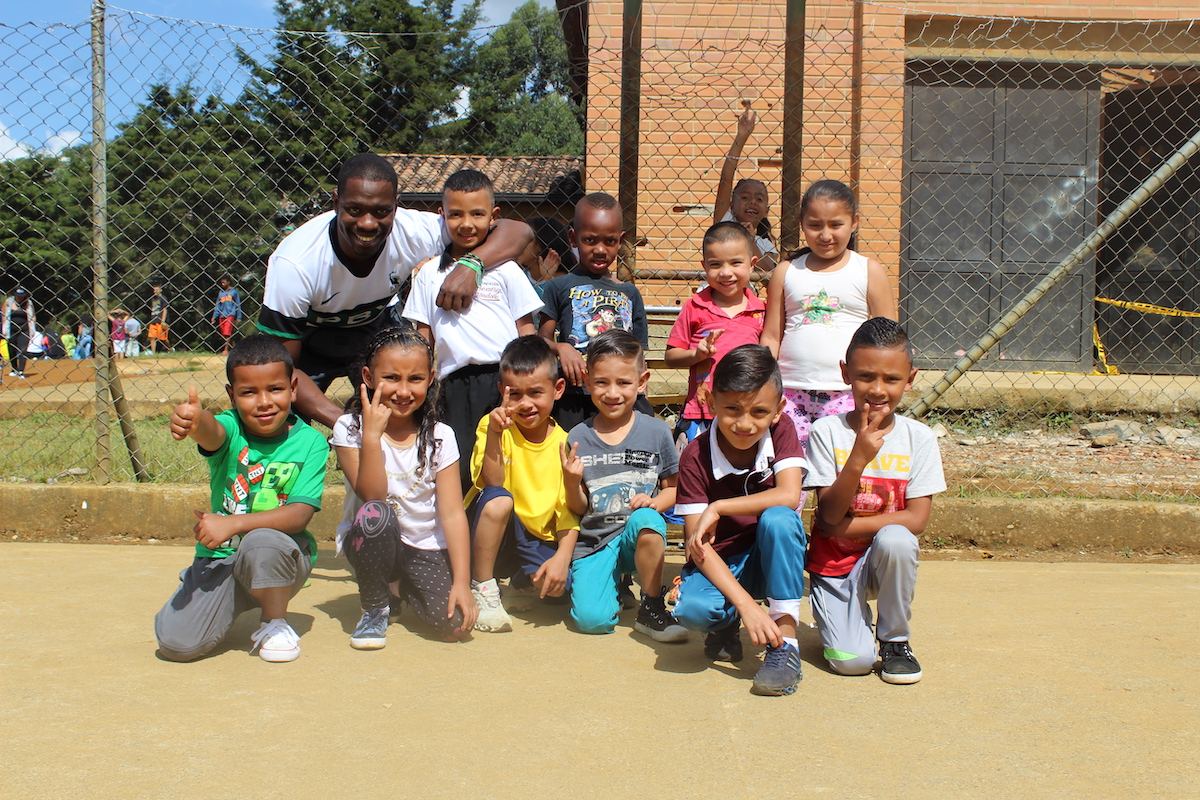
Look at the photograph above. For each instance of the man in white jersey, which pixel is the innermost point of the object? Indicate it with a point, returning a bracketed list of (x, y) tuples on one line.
[(329, 283)]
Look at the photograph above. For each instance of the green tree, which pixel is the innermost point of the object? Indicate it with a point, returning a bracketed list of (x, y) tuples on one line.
[(383, 73), (519, 90)]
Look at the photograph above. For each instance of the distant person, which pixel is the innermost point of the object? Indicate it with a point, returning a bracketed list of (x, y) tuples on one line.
[(133, 329), (253, 548), (590, 301), (747, 201), (329, 283), (85, 345), (227, 312), (116, 332), (739, 485), (20, 328), (815, 303), (68, 339), (875, 474), (159, 331), (469, 342)]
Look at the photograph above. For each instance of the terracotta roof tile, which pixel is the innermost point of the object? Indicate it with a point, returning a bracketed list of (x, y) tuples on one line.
[(525, 177)]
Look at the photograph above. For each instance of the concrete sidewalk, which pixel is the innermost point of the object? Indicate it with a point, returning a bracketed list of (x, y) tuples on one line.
[(1041, 680)]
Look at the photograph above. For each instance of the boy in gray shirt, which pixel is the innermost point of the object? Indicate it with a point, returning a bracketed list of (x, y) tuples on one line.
[(620, 472)]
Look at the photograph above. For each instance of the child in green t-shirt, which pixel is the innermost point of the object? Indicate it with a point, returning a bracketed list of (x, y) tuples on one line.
[(267, 471)]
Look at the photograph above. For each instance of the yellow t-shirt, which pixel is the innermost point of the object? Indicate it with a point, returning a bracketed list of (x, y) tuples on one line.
[(533, 475)]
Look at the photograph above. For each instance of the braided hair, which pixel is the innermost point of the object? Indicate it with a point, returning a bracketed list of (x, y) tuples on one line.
[(426, 416)]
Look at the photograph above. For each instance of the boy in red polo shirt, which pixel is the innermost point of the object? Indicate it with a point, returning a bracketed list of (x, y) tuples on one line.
[(718, 318)]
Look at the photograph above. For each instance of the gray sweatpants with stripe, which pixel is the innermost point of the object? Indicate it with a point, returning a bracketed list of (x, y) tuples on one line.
[(886, 572), (214, 591)]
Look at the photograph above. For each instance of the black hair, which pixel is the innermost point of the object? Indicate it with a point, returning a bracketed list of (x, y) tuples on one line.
[(426, 416), (763, 228), (601, 201), (468, 180), (727, 232), (225, 277), (256, 350), (618, 343), (368, 167), (745, 369), (552, 233), (828, 189), (525, 354), (881, 333)]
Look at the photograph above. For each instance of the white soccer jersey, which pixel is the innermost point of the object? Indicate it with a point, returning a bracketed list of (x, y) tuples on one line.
[(307, 286)]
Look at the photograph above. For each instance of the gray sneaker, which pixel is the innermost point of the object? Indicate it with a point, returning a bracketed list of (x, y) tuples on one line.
[(371, 633), (779, 673)]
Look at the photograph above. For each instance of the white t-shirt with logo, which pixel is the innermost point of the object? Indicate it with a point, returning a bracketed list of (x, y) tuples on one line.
[(479, 334), (413, 496)]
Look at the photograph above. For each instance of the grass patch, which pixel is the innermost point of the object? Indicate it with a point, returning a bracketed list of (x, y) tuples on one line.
[(42, 447)]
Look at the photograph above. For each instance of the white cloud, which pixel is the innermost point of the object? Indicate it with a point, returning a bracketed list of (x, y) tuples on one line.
[(10, 148), (62, 140)]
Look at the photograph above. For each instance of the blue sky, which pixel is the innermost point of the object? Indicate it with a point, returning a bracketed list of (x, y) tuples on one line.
[(44, 77)]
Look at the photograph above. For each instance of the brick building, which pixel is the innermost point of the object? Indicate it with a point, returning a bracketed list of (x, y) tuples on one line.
[(982, 148)]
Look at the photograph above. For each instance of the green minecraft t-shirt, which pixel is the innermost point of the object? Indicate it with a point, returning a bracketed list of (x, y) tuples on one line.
[(250, 474)]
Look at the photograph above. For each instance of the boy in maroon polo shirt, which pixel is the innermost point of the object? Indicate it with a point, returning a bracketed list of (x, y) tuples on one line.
[(718, 318), (739, 484)]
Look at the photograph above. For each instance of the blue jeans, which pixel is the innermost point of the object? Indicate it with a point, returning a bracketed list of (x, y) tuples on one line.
[(520, 551), (594, 603), (773, 568)]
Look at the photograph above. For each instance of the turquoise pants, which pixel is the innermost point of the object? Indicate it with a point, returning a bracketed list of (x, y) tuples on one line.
[(594, 603)]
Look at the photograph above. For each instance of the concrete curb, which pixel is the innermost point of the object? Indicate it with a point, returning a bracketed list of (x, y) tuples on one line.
[(85, 512)]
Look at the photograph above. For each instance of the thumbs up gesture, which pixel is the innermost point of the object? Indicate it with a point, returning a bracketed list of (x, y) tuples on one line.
[(183, 418)]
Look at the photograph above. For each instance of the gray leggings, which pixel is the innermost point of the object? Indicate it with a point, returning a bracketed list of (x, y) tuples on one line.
[(214, 591)]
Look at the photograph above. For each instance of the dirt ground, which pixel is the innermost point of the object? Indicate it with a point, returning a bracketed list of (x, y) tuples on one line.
[(1041, 680)]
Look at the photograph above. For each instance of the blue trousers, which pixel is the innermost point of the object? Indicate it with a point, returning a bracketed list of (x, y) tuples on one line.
[(773, 568), (594, 603), (520, 550)]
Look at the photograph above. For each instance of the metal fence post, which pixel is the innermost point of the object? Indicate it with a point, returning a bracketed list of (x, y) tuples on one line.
[(103, 353), (631, 107), (793, 128)]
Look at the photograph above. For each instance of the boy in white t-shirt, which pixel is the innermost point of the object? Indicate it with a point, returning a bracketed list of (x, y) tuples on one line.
[(875, 474), (469, 342), (133, 329)]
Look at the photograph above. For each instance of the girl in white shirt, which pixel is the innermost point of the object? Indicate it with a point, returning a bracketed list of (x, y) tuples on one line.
[(815, 303), (404, 529)]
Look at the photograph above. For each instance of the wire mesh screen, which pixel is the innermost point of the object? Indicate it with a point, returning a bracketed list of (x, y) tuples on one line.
[(983, 153)]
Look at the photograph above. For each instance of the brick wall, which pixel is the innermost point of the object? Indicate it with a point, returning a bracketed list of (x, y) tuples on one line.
[(700, 59)]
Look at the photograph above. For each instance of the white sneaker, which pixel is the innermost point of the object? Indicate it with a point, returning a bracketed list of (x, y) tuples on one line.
[(276, 641), (492, 616)]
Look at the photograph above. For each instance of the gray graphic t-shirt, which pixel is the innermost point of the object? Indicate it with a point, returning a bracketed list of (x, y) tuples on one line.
[(613, 474)]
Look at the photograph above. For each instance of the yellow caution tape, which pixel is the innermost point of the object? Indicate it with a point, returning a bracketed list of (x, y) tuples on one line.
[(1108, 368), (1148, 308)]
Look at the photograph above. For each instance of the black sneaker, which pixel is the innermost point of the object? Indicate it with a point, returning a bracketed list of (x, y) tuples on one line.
[(899, 664), (654, 621), (724, 644), (625, 593), (779, 673)]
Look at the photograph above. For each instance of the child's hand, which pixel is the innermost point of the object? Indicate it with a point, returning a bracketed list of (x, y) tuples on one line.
[(641, 500), (463, 599), (213, 530), (869, 439), (761, 627), (501, 418), (707, 347), (746, 121), (573, 365), (375, 415), (551, 577), (183, 418), (704, 533), (572, 464)]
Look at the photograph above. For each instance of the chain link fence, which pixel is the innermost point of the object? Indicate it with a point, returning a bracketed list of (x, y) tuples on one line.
[(986, 153)]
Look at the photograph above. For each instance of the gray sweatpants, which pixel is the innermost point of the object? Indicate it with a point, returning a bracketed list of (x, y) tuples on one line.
[(214, 591), (887, 572)]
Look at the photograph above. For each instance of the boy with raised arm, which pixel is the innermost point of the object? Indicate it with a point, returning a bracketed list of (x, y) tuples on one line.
[(739, 483), (267, 473), (875, 474)]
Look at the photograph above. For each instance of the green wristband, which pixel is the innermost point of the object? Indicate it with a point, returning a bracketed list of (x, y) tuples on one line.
[(474, 263)]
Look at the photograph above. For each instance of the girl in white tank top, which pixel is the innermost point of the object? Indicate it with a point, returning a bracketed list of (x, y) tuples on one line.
[(816, 302)]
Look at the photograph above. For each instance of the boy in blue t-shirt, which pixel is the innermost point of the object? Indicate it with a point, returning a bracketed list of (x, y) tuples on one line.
[(588, 302), (620, 476), (267, 472)]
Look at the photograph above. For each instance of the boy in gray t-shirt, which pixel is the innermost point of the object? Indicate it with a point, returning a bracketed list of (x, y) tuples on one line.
[(620, 476)]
